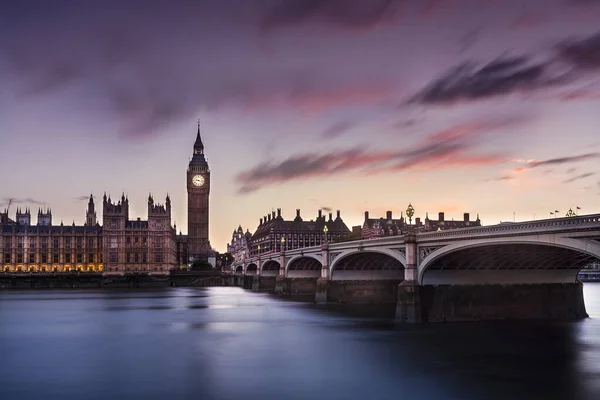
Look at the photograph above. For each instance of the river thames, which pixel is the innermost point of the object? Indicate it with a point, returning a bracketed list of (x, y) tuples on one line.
[(228, 343)]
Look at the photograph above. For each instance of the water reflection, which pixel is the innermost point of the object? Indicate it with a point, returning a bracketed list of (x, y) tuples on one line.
[(227, 343)]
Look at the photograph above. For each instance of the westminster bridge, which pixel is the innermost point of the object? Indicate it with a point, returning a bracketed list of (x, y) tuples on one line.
[(525, 270)]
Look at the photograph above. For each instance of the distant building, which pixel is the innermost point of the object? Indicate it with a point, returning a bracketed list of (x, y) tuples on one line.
[(388, 226), (296, 233), (240, 243), (378, 227)]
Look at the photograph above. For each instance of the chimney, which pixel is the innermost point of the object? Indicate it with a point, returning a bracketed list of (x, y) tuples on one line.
[(338, 214), (466, 217), (388, 215), (366, 215), (269, 217), (330, 217), (297, 213), (260, 222), (441, 216), (273, 213), (279, 213), (418, 221), (320, 213)]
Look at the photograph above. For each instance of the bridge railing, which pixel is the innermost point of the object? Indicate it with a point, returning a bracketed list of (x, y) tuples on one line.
[(553, 224)]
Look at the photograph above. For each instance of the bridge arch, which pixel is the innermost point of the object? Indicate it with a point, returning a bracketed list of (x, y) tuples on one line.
[(239, 269), (304, 266), (269, 268), (519, 260), (370, 264), (251, 269)]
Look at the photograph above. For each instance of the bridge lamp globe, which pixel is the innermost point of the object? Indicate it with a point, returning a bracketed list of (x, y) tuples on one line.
[(259, 249), (282, 242), (410, 211)]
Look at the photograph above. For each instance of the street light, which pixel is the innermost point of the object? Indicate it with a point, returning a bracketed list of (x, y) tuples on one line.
[(410, 211), (259, 249), (325, 230), (570, 213), (282, 243)]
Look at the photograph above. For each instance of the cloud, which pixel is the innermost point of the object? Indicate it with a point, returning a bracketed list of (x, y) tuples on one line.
[(557, 161), (327, 209), (338, 129), (563, 160), (406, 123), (469, 82), (346, 14), (579, 177), (454, 147), (116, 60), (501, 178), (26, 201), (82, 198), (571, 170), (583, 53)]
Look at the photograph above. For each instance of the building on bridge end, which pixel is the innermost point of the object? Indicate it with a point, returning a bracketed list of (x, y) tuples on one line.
[(388, 226), (296, 234)]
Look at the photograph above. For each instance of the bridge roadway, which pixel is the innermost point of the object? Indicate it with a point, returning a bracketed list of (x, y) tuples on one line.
[(525, 270)]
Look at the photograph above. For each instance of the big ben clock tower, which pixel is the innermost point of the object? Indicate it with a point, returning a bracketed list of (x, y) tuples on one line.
[(198, 190)]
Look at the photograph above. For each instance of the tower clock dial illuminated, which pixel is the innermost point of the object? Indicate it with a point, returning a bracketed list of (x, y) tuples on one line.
[(198, 180)]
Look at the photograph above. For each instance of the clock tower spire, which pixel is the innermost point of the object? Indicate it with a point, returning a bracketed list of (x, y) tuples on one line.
[(198, 190)]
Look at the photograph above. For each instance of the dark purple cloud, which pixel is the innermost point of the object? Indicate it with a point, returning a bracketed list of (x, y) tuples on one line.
[(500, 77), (558, 161), (579, 177), (564, 160), (583, 53), (349, 14)]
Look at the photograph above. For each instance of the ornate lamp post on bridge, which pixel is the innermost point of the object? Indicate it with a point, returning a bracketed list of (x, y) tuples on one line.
[(410, 211), (570, 213), (282, 250), (325, 230)]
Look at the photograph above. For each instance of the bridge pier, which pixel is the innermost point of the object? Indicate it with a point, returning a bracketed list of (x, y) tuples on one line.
[(549, 301), (325, 280), (408, 303)]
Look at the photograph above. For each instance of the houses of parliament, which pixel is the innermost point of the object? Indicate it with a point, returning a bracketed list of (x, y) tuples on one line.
[(119, 245)]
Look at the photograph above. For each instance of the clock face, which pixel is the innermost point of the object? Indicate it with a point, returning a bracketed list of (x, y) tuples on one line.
[(198, 180)]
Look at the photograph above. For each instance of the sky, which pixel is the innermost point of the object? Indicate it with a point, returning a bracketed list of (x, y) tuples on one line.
[(480, 106)]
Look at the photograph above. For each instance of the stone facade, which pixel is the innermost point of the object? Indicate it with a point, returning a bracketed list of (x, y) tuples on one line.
[(240, 244), (134, 246), (48, 248), (296, 233)]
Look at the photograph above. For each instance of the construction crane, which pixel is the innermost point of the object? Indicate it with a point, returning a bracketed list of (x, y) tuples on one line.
[(8, 208)]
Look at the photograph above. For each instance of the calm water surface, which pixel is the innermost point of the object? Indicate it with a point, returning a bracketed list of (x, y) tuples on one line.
[(227, 343)]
